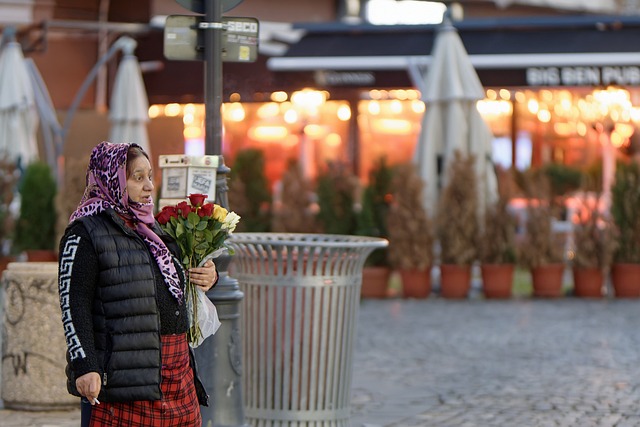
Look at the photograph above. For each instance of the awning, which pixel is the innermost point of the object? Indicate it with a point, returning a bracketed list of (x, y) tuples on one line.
[(514, 45), (597, 6)]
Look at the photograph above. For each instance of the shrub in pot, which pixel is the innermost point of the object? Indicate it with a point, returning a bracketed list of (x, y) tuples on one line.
[(410, 233), (35, 228), (542, 250), (594, 243), (293, 210), (71, 190), (625, 210), (338, 191), (8, 185), (249, 193), (497, 252), (372, 221), (457, 227)]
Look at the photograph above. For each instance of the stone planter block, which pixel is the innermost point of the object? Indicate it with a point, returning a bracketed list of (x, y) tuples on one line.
[(33, 348)]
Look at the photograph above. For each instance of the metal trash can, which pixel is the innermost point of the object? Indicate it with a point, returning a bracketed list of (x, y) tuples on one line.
[(298, 317)]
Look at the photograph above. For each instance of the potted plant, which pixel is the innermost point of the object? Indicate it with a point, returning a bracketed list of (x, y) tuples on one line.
[(293, 210), (541, 250), (35, 228), (71, 190), (249, 193), (8, 182), (498, 250), (372, 221), (625, 210), (337, 190), (457, 227), (410, 233), (594, 244), (343, 210)]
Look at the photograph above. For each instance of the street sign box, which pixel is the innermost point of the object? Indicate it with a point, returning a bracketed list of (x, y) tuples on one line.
[(183, 39), (240, 39), (183, 175)]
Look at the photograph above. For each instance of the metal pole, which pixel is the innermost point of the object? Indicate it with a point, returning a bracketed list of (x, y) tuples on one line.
[(213, 78), (219, 358)]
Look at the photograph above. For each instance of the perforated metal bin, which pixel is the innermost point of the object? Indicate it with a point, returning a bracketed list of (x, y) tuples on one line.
[(298, 317)]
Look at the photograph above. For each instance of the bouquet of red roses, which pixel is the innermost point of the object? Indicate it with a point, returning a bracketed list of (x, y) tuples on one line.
[(200, 229)]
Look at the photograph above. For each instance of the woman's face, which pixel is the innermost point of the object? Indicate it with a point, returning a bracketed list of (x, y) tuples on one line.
[(139, 183)]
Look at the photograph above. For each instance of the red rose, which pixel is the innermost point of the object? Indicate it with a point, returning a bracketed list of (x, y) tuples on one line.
[(172, 211), (165, 214), (197, 199), (184, 209), (162, 217), (206, 210)]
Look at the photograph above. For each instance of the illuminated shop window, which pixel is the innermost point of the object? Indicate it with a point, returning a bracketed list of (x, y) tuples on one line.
[(530, 126)]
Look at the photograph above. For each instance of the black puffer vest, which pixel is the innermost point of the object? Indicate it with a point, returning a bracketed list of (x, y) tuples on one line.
[(126, 320)]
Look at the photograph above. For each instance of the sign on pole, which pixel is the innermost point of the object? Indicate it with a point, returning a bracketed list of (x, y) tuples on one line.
[(183, 40)]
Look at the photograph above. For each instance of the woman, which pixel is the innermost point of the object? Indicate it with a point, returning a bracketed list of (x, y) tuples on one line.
[(122, 297)]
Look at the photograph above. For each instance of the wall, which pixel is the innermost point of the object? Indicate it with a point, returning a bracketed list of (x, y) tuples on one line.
[(267, 10)]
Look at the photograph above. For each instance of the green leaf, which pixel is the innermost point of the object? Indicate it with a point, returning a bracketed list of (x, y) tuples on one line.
[(202, 225), (202, 246), (179, 230), (193, 219)]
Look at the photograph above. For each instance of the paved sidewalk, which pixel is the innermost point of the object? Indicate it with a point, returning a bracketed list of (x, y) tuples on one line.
[(567, 362), (476, 363)]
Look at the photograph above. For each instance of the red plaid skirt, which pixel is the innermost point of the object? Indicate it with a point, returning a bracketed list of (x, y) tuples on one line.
[(179, 405)]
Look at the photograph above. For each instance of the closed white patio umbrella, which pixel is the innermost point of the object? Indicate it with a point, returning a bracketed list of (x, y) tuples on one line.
[(129, 109), (450, 89), (18, 115)]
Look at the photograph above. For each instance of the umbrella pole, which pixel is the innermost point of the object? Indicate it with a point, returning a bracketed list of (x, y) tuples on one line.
[(125, 44)]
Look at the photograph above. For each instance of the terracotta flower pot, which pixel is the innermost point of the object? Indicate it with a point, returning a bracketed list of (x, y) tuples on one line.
[(41, 255), (497, 280), (4, 261), (547, 280), (625, 279), (416, 283), (375, 282), (587, 282), (455, 280)]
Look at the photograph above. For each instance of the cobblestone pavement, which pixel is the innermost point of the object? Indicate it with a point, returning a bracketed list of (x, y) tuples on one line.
[(567, 362), (477, 363)]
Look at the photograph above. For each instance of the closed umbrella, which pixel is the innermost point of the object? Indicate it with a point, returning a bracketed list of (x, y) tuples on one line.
[(129, 110), (450, 89), (18, 115)]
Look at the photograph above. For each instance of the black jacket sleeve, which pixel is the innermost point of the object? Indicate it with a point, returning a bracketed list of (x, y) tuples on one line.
[(77, 284)]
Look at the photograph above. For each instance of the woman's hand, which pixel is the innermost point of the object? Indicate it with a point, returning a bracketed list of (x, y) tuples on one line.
[(89, 385), (205, 276)]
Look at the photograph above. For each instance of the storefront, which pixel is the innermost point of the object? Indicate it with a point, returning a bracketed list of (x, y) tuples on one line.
[(554, 86)]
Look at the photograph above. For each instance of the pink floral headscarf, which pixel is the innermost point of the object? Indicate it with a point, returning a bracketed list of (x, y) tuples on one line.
[(107, 188)]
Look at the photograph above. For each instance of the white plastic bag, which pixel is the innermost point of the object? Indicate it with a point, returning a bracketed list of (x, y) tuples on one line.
[(207, 317), (213, 255)]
